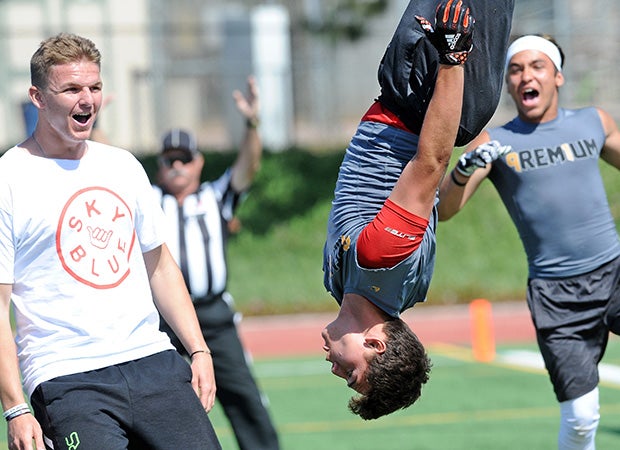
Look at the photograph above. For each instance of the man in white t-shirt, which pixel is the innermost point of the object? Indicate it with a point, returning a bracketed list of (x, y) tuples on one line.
[(84, 264)]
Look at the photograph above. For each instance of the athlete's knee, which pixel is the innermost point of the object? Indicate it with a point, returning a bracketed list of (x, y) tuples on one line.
[(579, 421)]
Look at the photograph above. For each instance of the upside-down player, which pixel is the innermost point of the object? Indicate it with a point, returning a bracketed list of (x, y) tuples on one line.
[(380, 248)]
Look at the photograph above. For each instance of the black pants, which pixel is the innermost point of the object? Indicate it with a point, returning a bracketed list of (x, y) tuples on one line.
[(237, 391), (148, 403)]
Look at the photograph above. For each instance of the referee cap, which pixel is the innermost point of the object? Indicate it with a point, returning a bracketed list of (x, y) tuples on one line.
[(179, 139)]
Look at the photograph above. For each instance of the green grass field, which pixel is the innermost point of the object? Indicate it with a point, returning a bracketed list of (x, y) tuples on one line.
[(465, 406)]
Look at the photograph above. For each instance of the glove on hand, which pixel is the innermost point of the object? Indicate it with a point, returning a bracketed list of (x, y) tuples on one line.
[(453, 33), (481, 156)]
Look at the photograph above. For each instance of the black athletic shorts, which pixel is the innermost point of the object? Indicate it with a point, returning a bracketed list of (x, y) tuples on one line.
[(573, 318), (148, 403)]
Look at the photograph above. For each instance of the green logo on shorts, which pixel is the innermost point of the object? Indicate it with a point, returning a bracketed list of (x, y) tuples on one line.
[(73, 441)]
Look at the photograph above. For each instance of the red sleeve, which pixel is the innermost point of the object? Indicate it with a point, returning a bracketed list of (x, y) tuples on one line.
[(392, 236)]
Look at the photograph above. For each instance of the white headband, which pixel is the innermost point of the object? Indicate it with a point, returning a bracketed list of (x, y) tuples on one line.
[(538, 43)]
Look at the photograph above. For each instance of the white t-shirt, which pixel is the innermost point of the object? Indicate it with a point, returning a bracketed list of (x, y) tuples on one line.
[(72, 234)]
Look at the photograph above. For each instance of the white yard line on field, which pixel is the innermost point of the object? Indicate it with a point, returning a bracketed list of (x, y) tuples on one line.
[(608, 373)]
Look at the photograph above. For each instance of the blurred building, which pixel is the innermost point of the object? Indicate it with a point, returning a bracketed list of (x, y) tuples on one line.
[(175, 63)]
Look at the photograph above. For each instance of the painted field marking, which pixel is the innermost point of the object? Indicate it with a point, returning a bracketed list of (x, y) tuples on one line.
[(608, 373), (526, 360)]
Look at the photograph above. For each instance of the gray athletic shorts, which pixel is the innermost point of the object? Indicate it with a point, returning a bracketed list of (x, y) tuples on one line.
[(148, 403), (573, 318)]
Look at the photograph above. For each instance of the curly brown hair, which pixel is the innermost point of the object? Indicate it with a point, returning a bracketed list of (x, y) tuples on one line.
[(395, 376)]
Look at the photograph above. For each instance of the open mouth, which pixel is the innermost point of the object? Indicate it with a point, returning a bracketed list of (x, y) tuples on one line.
[(529, 94), (82, 118)]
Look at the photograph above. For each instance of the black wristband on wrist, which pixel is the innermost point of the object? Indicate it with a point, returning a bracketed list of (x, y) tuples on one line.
[(455, 181), (208, 352), (252, 122)]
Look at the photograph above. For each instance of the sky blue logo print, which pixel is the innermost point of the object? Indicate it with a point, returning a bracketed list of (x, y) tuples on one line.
[(73, 441)]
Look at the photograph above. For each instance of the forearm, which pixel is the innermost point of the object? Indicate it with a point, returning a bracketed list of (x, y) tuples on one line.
[(451, 194), (179, 313), (172, 299), (472, 168), (11, 392), (417, 185), (250, 151), (442, 118), (248, 161)]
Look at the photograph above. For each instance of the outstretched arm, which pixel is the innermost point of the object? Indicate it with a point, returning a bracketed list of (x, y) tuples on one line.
[(248, 160), (473, 166), (416, 188)]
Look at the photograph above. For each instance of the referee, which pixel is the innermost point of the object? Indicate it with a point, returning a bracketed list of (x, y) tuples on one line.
[(198, 215)]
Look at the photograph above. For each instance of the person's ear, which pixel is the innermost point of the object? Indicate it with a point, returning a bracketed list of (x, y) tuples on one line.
[(36, 97), (199, 161), (378, 345), (559, 79)]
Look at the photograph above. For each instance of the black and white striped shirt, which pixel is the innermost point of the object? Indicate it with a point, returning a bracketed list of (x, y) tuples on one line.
[(198, 232)]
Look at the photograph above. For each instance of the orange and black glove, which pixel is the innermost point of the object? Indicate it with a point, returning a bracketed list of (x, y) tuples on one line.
[(453, 32)]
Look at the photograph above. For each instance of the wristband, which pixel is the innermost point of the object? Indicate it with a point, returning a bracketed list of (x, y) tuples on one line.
[(16, 411), (208, 352), (252, 122), (455, 181), (462, 171)]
